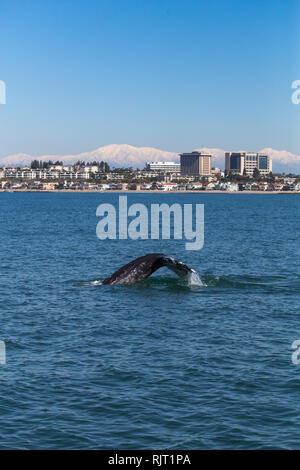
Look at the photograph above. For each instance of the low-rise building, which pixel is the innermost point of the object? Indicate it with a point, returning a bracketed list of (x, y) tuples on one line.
[(163, 167)]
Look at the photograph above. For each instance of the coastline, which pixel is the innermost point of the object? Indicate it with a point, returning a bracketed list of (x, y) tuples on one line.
[(112, 191)]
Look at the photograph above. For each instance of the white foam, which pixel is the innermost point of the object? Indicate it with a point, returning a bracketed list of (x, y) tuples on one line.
[(194, 279), (91, 283)]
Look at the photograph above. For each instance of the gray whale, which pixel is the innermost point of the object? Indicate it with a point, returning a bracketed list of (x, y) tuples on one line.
[(143, 267)]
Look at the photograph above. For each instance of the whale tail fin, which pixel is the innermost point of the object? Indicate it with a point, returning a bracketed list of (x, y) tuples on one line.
[(178, 267), (143, 267)]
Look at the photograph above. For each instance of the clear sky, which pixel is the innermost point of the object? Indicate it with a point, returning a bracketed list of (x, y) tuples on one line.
[(172, 74)]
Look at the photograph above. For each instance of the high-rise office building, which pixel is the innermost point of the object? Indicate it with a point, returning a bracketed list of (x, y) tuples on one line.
[(264, 163), (235, 162), (195, 164), (245, 162)]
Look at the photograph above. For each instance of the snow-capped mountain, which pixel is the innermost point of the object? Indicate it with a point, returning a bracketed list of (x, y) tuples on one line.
[(116, 155), (127, 155)]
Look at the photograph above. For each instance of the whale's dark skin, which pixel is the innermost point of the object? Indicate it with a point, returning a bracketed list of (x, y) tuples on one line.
[(143, 267)]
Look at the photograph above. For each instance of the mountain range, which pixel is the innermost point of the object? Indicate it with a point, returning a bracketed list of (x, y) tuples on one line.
[(124, 155)]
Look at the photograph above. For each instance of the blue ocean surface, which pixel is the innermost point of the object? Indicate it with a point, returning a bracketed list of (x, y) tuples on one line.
[(159, 364)]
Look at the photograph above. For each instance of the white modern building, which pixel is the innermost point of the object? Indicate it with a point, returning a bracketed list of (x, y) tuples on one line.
[(165, 167)]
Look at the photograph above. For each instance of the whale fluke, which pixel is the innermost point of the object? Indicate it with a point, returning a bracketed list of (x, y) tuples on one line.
[(143, 267)]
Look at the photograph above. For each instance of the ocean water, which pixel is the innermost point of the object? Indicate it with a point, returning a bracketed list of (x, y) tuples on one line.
[(160, 364)]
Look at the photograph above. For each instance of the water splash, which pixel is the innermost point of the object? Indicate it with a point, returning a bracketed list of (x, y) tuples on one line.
[(96, 283), (90, 283), (193, 279)]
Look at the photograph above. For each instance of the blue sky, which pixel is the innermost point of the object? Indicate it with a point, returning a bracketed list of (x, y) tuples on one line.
[(170, 74)]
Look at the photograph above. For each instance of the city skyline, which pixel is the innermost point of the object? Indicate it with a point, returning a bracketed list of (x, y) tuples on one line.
[(137, 157), (244, 171)]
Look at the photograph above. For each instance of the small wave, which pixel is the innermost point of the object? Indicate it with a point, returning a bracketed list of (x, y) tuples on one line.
[(191, 280), (266, 282), (90, 283)]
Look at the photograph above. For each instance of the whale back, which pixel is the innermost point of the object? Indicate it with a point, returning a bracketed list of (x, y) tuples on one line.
[(142, 267)]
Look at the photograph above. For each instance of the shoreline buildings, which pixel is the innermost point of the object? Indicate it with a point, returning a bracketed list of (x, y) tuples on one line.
[(194, 173), (244, 163), (195, 164)]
